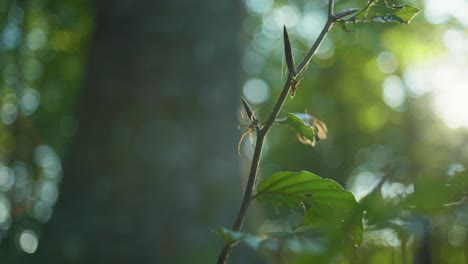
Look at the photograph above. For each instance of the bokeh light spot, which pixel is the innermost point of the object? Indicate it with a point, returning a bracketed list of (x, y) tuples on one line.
[(9, 113), (29, 101), (42, 211), (49, 192), (259, 6), (49, 161), (387, 62), (262, 43), (311, 25), (4, 211), (455, 40), (396, 190), (384, 237), (393, 91), (36, 39), (363, 183), (438, 12), (7, 178), (28, 241), (326, 50), (288, 16), (451, 94), (454, 169), (11, 36), (417, 81), (256, 90)]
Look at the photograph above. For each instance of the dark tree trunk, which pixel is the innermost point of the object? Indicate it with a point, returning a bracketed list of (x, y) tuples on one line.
[(422, 254), (153, 167)]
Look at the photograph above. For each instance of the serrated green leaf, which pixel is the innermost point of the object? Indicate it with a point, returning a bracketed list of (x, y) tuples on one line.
[(358, 16), (323, 201), (404, 15), (379, 11), (308, 128)]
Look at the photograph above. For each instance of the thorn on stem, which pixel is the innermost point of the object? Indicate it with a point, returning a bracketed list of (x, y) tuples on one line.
[(248, 109), (346, 13), (288, 53)]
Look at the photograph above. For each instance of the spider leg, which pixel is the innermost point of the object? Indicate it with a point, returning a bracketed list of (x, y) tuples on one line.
[(250, 135), (253, 115), (242, 114), (240, 141)]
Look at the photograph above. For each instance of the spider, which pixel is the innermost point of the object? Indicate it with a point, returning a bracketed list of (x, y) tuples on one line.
[(249, 131), (250, 127)]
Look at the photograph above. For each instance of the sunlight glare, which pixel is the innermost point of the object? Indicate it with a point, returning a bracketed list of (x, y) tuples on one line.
[(446, 78), (438, 12), (385, 237), (362, 184), (451, 95)]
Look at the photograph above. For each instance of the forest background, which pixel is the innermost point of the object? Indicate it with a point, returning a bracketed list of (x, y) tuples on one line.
[(118, 131)]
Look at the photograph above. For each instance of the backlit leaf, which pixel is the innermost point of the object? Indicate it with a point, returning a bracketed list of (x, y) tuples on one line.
[(323, 202), (306, 241), (380, 11), (308, 128)]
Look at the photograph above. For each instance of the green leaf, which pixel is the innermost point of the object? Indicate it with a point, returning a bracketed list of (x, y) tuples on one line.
[(404, 15), (380, 11), (434, 194), (228, 235), (358, 16), (344, 27), (323, 202), (308, 128), (308, 241)]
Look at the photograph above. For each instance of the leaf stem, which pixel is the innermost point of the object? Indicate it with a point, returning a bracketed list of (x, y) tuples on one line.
[(261, 134)]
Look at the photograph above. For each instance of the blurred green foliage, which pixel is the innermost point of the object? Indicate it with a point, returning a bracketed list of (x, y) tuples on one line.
[(393, 151), (42, 47), (387, 141)]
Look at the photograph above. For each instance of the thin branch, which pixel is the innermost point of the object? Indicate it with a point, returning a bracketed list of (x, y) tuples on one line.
[(249, 193), (261, 134), (316, 45), (278, 105), (331, 5), (299, 69)]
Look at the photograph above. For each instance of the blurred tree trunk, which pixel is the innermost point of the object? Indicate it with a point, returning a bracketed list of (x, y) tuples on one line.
[(153, 167)]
